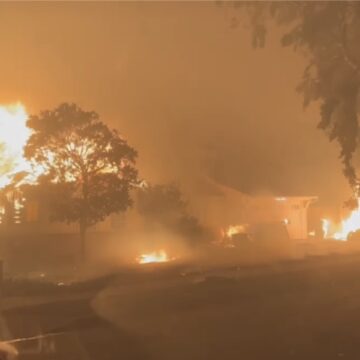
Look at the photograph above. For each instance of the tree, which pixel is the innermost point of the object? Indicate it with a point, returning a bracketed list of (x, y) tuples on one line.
[(328, 33), (164, 204), (88, 169)]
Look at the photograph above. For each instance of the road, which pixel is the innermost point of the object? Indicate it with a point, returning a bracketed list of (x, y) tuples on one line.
[(302, 310)]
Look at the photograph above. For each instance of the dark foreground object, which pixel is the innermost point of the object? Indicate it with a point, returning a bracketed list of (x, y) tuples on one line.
[(307, 311)]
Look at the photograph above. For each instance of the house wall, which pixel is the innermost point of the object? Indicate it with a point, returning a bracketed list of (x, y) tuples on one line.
[(32, 217), (231, 207)]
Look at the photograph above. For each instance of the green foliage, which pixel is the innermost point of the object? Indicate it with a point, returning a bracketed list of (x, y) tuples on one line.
[(89, 169), (328, 33)]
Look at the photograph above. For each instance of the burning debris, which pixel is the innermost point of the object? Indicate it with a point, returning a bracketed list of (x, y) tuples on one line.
[(227, 235), (160, 256)]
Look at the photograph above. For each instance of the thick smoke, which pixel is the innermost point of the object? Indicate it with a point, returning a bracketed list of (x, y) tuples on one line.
[(186, 89)]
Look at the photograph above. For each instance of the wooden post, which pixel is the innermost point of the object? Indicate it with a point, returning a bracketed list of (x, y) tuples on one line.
[(1, 283)]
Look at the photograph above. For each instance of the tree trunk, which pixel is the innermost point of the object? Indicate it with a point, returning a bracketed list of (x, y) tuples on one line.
[(83, 241)]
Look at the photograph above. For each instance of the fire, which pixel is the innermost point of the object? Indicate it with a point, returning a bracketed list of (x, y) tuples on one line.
[(347, 226), (13, 136), (234, 229), (325, 227), (154, 257), (226, 239)]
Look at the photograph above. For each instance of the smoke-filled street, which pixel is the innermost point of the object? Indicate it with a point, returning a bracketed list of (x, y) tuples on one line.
[(179, 180), (306, 309)]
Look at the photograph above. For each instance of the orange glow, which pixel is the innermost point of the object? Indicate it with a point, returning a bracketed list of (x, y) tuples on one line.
[(154, 257)]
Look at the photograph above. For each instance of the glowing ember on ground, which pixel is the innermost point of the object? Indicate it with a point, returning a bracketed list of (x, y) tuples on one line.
[(347, 226), (154, 257)]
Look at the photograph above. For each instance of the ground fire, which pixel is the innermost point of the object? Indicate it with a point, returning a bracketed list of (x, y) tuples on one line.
[(160, 256)]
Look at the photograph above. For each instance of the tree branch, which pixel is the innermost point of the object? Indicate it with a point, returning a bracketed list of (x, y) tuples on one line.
[(348, 58)]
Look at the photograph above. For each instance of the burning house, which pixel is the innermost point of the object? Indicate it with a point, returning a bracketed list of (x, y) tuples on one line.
[(227, 208), (16, 212)]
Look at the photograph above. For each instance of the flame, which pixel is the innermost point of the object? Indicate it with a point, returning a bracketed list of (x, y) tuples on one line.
[(226, 239), (349, 225), (234, 229), (154, 257), (325, 227), (13, 136), (346, 227)]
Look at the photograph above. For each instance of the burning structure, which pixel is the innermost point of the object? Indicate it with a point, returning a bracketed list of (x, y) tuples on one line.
[(230, 209), (23, 219), (226, 208), (16, 170), (13, 136)]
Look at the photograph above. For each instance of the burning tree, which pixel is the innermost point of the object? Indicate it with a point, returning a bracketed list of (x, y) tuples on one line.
[(327, 32), (88, 169)]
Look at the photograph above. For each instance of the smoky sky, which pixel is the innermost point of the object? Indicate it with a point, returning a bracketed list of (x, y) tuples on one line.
[(181, 84)]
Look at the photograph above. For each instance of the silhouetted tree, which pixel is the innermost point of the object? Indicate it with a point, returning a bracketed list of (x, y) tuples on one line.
[(328, 33), (89, 169), (161, 202), (165, 204)]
